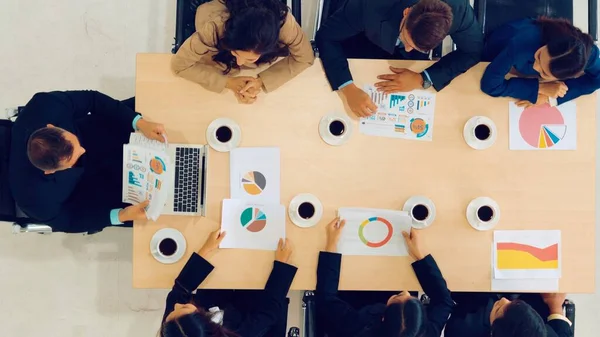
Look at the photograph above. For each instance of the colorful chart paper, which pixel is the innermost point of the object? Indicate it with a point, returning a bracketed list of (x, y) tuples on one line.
[(526, 254), (400, 115), (373, 232), (253, 219), (252, 226), (255, 174), (543, 127)]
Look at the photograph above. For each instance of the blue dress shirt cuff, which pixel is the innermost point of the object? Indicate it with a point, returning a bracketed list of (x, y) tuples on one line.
[(114, 216), (135, 120), (345, 84), (427, 75)]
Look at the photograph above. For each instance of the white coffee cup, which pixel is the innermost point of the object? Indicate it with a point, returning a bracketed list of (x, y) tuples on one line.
[(423, 213)]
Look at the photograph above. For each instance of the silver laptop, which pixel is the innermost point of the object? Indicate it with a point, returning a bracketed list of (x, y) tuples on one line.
[(188, 195)]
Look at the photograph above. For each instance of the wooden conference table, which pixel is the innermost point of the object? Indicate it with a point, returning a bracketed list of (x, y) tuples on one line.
[(534, 189)]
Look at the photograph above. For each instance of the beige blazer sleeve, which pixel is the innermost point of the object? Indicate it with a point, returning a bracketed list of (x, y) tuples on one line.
[(301, 56), (193, 60)]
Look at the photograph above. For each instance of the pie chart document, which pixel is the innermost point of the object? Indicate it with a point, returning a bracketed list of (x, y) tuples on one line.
[(255, 174), (543, 127), (252, 226)]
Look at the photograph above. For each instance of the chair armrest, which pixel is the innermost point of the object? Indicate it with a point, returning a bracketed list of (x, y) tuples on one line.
[(31, 228), (310, 314), (297, 11), (569, 307), (593, 18)]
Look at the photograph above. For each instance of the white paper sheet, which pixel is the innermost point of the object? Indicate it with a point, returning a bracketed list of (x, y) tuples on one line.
[(529, 285), (255, 174), (373, 232), (543, 127), (527, 254), (252, 226), (406, 115), (147, 174)]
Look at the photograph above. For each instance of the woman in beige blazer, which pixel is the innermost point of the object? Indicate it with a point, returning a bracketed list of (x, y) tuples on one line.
[(235, 34)]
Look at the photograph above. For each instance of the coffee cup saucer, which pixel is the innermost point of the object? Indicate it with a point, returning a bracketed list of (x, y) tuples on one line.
[(416, 200), (296, 218), (164, 234), (211, 134), (327, 136), (474, 221), (472, 141)]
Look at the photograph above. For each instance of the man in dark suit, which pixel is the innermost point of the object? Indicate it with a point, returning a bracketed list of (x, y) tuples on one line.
[(488, 314), (66, 159), (398, 29)]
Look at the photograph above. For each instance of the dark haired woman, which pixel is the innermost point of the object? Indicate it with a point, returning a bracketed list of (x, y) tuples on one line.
[(402, 315), (554, 62), (237, 34), (246, 313)]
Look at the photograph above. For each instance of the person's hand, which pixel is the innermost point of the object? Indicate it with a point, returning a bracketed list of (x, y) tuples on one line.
[(542, 99), (334, 231), (359, 101), (134, 212), (554, 302), (151, 130), (212, 243), (401, 80), (284, 251), (413, 243), (553, 89), (244, 88)]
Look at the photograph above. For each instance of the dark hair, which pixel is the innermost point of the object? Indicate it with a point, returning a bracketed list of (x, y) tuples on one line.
[(428, 23), (47, 147), (196, 324), (519, 320), (568, 46), (407, 319), (253, 25)]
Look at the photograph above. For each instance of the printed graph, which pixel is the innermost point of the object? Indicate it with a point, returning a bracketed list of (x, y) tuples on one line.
[(253, 219), (254, 182), (542, 126), (396, 99), (372, 244), (512, 255)]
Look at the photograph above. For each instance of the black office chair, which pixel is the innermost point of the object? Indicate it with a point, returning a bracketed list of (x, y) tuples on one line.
[(312, 330), (9, 212), (186, 13), (494, 13)]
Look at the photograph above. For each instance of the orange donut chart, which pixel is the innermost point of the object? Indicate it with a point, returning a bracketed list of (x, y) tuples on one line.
[(375, 244)]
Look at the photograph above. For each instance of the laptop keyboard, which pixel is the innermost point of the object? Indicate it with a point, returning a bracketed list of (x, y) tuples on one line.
[(187, 173)]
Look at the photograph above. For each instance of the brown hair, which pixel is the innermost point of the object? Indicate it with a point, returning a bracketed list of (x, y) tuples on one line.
[(568, 46), (428, 23), (47, 147)]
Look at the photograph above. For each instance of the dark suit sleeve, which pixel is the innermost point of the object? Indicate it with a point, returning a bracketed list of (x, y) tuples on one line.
[(337, 317), (468, 38), (79, 103), (586, 83), (272, 303), (433, 283), (494, 83), (559, 327), (341, 25), (193, 273)]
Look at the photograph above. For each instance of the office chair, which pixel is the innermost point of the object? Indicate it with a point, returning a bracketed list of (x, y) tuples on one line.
[(311, 328), (9, 212), (186, 14)]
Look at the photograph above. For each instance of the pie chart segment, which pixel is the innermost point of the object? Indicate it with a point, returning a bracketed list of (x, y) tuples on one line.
[(254, 182), (253, 219), (542, 126)]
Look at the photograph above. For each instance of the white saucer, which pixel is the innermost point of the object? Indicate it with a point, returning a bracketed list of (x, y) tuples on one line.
[(470, 138), (211, 135), (327, 136), (297, 219), (163, 234), (472, 213), (415, 200)]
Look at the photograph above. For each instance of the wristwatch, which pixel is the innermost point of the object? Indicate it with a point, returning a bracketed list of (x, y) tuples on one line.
[(426, 82)]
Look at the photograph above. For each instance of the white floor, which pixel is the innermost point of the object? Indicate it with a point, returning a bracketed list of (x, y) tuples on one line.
[(73, 286)]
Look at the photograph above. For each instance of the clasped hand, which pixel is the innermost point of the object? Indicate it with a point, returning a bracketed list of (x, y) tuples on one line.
[(245, 88)]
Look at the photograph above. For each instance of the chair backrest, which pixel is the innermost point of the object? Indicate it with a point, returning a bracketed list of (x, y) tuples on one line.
[(494, 13), (186, 14), (7, 203)]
